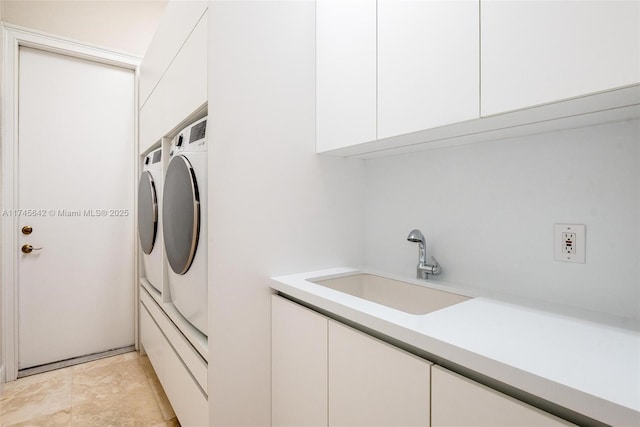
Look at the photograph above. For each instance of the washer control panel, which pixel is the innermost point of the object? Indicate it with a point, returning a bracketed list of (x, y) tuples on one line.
[(152, 158), (192, 138)]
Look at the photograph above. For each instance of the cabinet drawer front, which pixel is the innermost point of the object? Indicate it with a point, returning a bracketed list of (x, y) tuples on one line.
[(194, 362), (152, 340), (187, 399)]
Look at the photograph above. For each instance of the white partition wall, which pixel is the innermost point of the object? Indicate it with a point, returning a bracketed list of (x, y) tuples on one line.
[(276, 206)]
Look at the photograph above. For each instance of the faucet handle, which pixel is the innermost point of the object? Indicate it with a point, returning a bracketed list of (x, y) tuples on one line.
[(425, 269), (436, 266)]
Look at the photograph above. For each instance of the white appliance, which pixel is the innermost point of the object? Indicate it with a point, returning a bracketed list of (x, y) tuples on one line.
[(149, 200), (184, 223)]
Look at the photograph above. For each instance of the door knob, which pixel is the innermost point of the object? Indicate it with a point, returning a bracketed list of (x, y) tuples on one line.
[(27, 249), (27, 229)]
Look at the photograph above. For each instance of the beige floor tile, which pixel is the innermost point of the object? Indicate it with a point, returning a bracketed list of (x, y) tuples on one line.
[(145, 363), (128, 409), (156, 388), (171, 423), (118, 391), (114, 393), (34, 379), (36, 396), (59, 419), (105, 381)]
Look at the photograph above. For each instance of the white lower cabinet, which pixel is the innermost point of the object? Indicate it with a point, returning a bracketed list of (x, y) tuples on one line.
[(325, 373), (153, 342), (372, 383), (299, 365), (187, 398), (459, 401)]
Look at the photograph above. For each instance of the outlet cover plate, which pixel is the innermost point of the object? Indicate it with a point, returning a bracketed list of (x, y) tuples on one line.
[(579, 245)]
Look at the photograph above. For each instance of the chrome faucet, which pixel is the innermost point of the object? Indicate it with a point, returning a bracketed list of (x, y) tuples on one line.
[(423, 269)]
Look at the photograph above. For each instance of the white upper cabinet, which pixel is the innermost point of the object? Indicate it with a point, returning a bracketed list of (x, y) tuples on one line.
[(391, 67), (346, 73), (536, 52), (395, 76), (428, 64), (177, 23), (181, 91)]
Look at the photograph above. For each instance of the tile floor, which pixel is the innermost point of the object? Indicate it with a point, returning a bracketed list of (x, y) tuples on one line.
[(117, 391)]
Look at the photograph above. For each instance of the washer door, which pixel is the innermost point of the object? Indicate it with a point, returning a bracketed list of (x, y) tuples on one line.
[(147, 212), (180, 214)]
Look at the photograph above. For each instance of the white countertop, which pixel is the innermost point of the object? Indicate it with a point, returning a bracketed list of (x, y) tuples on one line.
[(588, 364)]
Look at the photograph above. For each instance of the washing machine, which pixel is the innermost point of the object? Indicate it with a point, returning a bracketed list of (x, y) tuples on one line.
[(149, 199), (184, 223)]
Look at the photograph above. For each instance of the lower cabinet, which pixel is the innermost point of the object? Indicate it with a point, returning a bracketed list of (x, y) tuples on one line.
[(298, 365), (372, 383), (327, 374), (188, 400), (459, 401)]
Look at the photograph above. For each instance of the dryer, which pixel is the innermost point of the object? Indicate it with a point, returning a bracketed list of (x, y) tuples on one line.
[(184, 223), (149, 194)]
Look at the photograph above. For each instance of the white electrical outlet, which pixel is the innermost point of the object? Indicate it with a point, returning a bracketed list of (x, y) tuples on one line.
[(569, 242)]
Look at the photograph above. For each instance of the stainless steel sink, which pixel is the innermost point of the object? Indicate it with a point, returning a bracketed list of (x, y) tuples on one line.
[(403, 296)]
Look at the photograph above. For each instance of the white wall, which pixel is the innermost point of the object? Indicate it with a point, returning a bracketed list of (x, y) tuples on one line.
[(1, 132), (487, 211), (125, 26), (276, 207)]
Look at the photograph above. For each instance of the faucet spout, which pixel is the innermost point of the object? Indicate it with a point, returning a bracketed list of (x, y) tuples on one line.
[(423, 269), (416, 236)]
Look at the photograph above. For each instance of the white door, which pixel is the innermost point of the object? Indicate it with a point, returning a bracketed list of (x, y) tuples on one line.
[(75, 190)]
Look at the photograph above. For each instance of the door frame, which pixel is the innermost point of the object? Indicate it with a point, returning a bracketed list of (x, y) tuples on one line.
[(15, 37)]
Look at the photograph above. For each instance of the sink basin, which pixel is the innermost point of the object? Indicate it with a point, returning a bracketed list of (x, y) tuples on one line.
[(403, 296)]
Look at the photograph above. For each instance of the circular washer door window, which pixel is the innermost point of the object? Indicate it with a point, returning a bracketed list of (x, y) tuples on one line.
[(147, 212), (180, 214)]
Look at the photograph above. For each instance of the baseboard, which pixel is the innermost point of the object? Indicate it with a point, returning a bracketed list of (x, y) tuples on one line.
[(3, 378), (73, 361)]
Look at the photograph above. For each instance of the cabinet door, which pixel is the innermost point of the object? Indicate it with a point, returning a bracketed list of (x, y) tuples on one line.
[(372, 383), (458, 401), (428, 64), (535, 52), (345, 73), (180, 92), (178, 21), (298, 364)]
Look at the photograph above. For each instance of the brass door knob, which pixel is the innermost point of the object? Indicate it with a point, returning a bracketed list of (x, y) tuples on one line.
[(27, 229), (27, 249)]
